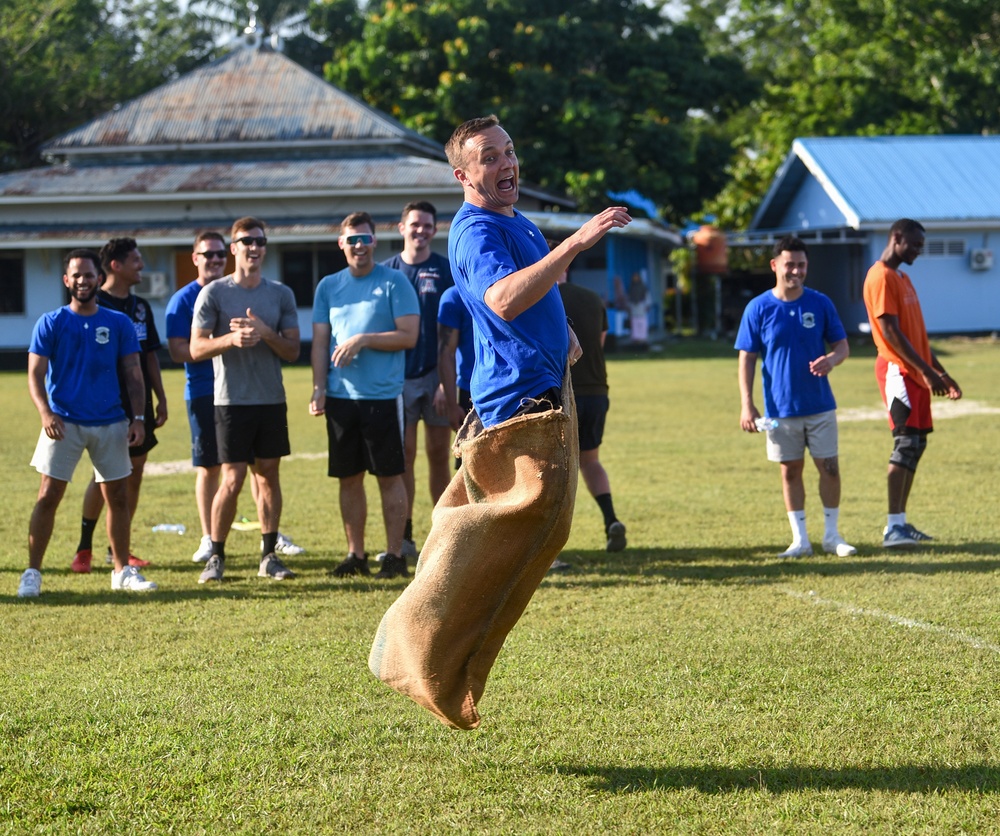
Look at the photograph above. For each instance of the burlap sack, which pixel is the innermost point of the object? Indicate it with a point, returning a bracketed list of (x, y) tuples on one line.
[(496, 530)]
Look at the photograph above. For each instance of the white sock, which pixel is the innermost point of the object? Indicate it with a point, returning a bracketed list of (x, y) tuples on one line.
[(797, 520), (896, 519), (831, 518)]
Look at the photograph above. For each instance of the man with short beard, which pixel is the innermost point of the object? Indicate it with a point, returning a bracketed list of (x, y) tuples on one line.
[(76, 355)]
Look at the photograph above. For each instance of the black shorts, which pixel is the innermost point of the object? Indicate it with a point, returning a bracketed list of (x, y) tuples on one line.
[(150, 441), (246, 432), (201, 419), (365, 435), (591, 410)]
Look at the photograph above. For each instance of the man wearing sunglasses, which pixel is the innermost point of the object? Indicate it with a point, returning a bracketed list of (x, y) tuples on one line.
[(364, 319), (247, 324)]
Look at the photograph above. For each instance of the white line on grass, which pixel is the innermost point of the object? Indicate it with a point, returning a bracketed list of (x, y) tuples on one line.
[(184, 465), (942, 409), (902, 621)]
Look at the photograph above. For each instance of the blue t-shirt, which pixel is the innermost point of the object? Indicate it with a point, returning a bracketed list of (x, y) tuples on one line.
[(369, 304), (430, 279), (452, 313), (517, 359), (83, 354), (788, 336), (200, 376)]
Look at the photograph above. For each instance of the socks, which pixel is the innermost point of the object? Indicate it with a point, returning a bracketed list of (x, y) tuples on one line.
[(408, 531), (831, 519), (219, 548), (797, 520), (607, 509), (268, 543), (86, 534), (895, 519)]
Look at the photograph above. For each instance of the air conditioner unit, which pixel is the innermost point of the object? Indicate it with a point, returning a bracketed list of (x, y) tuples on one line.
[(153, 286), (981, 259)]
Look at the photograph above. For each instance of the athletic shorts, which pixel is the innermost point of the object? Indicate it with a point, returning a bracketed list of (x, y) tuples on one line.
[(789, 440), (201, 419), (591, 411), (906, 401), (149, 441), (106, 445), (418, 400), (365, 435), (246, 432)]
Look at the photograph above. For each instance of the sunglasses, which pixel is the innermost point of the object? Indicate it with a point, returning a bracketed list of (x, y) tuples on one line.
[(213, 254), (366, 239), (247, 240)]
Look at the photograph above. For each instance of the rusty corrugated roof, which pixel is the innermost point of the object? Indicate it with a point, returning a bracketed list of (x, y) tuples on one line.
[(251, 96), (331, 176)]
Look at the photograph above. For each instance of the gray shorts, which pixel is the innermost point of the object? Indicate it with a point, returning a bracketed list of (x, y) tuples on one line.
[(418, 400), (107, 447), (789, 441)]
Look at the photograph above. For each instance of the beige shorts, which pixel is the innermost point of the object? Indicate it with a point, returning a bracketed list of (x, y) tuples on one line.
[(788, 442), (107, 447)]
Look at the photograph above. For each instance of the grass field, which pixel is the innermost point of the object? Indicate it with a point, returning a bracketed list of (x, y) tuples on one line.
[(693, 684)]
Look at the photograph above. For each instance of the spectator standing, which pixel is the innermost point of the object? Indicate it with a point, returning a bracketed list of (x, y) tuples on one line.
[(456, 356), (209, 257), (789, 327), (430, 275), (364, 319), (589, 320), (248, 325), (122, 263), (78, 357), (908, 372)]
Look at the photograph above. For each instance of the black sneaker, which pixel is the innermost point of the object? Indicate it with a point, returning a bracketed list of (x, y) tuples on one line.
[(213, 569), (392, 566), (616, 537), (272, 567), (352, 565)]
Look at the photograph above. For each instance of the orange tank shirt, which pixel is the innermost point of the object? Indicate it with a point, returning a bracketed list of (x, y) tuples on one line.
[(889, 291)]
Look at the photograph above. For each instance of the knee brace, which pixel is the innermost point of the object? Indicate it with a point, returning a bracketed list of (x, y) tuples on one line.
[(908, 449)]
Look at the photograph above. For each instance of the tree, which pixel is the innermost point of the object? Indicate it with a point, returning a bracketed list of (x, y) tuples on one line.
[(63, 62), (599, 96), (857, 68)]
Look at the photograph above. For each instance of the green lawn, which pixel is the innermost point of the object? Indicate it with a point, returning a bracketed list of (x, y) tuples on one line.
[(692, 684)]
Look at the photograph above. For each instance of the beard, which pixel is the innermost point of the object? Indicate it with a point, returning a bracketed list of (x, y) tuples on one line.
[(83, 295)]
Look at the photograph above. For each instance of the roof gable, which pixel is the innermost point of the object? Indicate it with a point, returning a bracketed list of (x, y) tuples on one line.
[(874, 181), (250, 99)]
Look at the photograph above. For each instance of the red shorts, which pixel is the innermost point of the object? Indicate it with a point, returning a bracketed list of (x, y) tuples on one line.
[(907, 402)]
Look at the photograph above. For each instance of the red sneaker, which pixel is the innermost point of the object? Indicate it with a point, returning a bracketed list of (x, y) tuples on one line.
[(137, 561), (81, 563)]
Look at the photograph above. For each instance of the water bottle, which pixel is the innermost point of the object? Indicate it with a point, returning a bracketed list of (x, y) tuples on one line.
[(173, 528), (765, 424)]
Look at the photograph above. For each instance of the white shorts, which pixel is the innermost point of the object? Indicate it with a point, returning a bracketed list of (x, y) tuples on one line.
[(107, 446), (788, 442)]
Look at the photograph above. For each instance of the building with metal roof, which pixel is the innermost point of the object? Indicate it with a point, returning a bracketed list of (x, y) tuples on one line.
[(252, 133), (842, 194)]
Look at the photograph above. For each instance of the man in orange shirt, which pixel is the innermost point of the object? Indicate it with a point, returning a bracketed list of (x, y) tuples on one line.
[(907, 371)]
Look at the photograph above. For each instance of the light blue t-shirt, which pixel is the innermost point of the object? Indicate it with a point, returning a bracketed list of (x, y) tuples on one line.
[(83, 353), (200, 376), (788, 336), (526, 356), (369, 304), (452, 313)]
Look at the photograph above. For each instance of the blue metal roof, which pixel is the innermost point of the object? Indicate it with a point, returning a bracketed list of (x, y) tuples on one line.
[(874, 181)]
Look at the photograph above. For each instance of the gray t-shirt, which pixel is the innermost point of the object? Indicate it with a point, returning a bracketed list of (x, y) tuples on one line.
[(246, 376)]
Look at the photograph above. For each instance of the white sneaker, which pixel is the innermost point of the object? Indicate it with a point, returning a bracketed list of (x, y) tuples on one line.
[(285, 546), (30, 585), (798, 550), (409, 549), (838, 547), (129, 580), (204, 550)]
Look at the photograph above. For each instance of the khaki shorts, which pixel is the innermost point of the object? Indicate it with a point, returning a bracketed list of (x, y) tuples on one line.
[(107, 447), (788, 442)]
